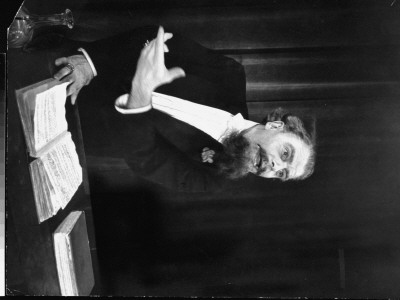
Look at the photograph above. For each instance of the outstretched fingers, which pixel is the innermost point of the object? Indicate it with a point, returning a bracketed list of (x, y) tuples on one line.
[(159, 44), (166, 48), (175, 73), (167, 36)]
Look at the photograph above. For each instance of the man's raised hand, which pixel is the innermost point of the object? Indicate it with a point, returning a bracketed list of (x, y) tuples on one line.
[(151, 71), (81, 75)]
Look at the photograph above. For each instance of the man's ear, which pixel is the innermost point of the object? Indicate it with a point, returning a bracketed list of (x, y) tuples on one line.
[(274, 125)]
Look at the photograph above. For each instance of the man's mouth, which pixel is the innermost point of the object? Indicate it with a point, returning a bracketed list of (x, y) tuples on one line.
[(258, 159)]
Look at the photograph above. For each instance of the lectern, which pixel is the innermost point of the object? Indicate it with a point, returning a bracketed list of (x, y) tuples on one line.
[(30, 259)]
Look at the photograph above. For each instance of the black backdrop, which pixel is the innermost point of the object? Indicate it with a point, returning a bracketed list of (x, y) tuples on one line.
[(333, 235)]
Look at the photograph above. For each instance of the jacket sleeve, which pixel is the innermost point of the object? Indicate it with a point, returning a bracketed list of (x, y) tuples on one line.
[(116, 57)]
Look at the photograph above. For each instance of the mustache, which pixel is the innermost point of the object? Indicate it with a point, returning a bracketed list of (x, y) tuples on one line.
[(264, 162), (261, 170)]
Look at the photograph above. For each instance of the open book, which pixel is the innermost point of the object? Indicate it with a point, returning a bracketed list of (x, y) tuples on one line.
[(72, 251), (56, 173)]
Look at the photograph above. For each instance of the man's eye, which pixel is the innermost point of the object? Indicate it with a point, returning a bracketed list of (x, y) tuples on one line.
[(285, 154), (280, 173)]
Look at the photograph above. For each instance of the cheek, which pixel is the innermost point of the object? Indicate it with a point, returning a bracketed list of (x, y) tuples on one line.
[(272, 149), (251, 152)]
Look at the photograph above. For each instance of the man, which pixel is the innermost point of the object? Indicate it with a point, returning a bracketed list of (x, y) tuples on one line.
[(279, 149)]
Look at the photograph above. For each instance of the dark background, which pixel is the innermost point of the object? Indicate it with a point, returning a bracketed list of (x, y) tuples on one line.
[(333, 235)]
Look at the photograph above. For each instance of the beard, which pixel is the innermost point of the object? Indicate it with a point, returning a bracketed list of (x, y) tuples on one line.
[(234, 161)]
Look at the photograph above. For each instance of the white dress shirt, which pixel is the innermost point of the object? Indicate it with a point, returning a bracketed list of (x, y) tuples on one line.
[(215, 122)]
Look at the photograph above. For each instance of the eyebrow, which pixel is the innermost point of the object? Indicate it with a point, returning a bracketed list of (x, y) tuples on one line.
[(290, 160), (292, 153)]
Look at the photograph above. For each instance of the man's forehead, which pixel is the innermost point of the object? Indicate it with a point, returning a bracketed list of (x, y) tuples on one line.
[(301, 155)]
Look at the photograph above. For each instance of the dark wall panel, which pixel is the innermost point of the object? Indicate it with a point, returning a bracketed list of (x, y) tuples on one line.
[(334, 235)]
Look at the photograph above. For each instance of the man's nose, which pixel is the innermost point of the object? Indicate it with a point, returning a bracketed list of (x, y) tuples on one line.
[(277, 164)]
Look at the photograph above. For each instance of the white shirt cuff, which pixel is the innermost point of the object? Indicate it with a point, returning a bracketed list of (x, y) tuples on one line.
[(89, 61), (121, 101)]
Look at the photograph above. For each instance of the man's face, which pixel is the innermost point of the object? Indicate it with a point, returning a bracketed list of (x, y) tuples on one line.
[(274, 153)]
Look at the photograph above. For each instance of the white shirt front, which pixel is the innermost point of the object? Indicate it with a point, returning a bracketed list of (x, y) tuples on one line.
[(215, 122)]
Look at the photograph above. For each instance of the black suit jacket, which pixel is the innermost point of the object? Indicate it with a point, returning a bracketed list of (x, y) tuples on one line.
[(154, 145)]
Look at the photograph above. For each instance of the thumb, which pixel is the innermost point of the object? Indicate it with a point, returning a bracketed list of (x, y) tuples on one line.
[(176, 73), (73, 98)]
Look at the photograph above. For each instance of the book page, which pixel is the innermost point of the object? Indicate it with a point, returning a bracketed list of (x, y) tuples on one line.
[(51, 199), (46, 201), (49, 118), (62, 166)]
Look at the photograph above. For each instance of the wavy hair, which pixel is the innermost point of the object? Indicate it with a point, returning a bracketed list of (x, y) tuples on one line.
[(295, 125)]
